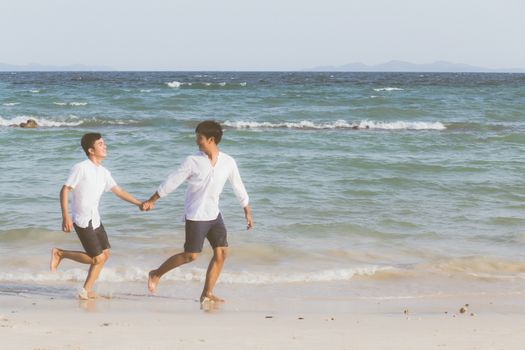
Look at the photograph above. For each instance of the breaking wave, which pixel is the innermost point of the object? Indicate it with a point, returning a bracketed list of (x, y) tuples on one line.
[(72, 104), (339, 124), (134, 274), (40, 121), (205, 84)]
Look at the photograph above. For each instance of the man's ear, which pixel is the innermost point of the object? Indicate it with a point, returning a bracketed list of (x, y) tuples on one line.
[(91, 150)]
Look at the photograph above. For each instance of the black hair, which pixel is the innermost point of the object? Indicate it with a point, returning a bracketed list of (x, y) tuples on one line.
[(210, 128), (88, 141)]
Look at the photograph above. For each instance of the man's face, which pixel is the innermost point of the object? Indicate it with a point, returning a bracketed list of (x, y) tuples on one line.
[(203, 142), (99, 149)]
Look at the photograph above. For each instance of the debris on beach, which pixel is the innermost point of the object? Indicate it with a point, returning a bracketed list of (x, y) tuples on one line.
[(463, 309)]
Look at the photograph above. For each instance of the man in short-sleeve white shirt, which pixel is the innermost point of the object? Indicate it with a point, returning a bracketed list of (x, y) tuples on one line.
[(206, 173), (88, 180)]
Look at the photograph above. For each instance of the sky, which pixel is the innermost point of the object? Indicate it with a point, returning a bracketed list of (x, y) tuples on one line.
[(260, 35)]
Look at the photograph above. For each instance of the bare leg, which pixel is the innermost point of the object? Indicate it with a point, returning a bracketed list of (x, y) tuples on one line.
[(94, 270), (58, 254), (214, 270), (168, 265)]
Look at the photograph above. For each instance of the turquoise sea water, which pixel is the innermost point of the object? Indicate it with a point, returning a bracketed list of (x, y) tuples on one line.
[(358, 179)]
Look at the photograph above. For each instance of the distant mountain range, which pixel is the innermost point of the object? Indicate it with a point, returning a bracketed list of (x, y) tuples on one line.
[(390, 66), (36, 67), (401, 66)]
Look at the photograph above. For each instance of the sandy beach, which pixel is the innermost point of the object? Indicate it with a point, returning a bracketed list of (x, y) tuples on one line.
[(157, 322)]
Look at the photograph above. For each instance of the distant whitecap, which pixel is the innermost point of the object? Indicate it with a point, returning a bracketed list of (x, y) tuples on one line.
[(389, 89), (174, 84)]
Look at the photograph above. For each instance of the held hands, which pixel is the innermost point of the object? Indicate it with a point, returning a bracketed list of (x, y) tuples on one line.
[(146, 205)]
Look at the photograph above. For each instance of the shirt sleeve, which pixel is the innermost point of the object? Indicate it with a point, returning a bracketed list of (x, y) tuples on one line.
[(238, 186), (176, 178), (75, 175), (110, 182)]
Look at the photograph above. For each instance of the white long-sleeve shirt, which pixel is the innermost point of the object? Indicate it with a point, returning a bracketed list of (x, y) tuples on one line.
[(88, 182), (205, 184)]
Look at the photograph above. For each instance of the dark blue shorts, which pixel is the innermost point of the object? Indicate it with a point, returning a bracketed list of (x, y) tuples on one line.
[(197, 231), (94, 241)]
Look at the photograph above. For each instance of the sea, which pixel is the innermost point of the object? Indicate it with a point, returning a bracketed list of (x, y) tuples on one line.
[(362, 185)]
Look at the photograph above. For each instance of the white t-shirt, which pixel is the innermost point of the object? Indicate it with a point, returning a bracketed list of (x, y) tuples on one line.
[(88, 181), (205, 184)]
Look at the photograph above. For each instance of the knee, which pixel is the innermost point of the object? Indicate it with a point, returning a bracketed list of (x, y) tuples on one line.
[(220, 254), (101, 259), (189, 257)]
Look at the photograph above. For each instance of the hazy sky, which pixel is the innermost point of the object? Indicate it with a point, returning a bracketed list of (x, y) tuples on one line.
[(260, 35)]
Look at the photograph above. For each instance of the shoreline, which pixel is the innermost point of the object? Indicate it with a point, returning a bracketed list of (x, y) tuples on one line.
[(136, 321)]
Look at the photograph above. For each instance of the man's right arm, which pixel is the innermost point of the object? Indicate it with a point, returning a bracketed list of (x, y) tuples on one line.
[(67, 223), (173, 181)]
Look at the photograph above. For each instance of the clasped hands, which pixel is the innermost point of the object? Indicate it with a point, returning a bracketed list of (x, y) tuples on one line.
[(146, 205)]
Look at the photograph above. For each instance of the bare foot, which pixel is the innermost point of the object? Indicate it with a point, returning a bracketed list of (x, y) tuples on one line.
[(210, 298), (153, 280), (55, 259), (86, 295)]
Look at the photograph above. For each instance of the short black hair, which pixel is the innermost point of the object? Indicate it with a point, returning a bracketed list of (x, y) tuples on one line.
[(210, 128), (88, 141)]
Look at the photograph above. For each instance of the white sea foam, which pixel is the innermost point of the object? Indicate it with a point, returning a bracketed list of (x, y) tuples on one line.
[(34, 91), (178, 84), (9, 104), (134, 274), (401, 125), (339, 124), (389, 89), (174, 84)]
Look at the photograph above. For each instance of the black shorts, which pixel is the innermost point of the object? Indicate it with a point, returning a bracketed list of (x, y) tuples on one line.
[(213, 230), (94, 241)]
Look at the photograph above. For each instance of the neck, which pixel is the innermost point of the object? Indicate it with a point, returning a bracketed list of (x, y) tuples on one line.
[(95, 160), (213, 155)]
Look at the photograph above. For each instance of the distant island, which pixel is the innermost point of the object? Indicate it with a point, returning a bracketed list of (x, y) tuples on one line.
[(401, 66), (36, 67)]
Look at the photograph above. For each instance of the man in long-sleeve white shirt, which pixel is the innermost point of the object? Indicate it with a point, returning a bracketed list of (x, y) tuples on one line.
[(206, 173)]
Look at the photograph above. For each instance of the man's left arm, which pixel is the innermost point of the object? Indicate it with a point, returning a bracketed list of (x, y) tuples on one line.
[(241, 194)]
